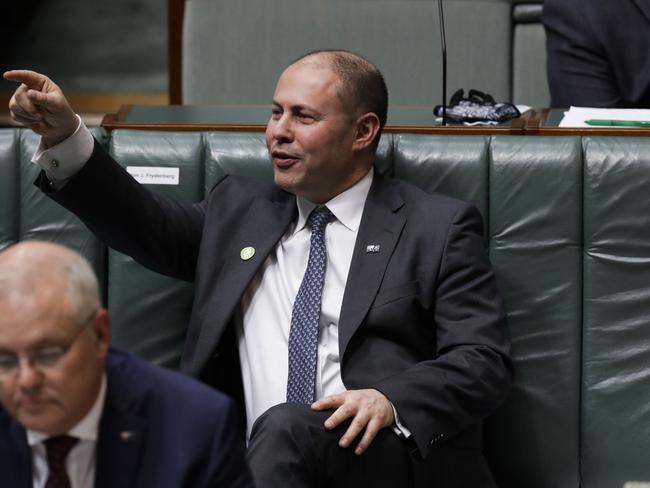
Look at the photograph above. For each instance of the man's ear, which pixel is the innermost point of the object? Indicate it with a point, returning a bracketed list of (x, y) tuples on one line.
[(367, 128), (102, 327)]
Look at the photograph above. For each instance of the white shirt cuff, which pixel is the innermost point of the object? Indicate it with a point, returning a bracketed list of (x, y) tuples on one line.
[(399, 428), (63, 161)]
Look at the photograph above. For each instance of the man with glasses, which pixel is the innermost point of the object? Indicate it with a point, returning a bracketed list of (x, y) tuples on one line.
[(76, 413)]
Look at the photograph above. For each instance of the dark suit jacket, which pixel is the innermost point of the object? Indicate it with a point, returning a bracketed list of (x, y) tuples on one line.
[(157, 429), (598, 52), (421, 320)]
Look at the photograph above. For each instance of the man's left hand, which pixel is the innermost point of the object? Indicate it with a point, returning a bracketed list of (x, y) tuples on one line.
[(369, 408)]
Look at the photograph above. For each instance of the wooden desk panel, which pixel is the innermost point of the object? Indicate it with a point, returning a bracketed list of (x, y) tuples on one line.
[(253, 118)]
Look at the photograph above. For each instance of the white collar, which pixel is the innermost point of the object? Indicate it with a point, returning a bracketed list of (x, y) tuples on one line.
[(86, 429), (347, 206)]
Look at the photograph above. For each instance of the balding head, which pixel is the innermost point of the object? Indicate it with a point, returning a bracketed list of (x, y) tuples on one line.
[(30, 269), (324, 127), (362, 87), (53, 336)]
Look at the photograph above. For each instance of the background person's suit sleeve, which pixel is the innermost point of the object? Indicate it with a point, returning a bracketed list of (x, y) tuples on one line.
[(598, 52), (579, 72)]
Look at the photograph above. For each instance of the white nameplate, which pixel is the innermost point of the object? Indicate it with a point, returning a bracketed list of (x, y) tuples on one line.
[(154, 175)]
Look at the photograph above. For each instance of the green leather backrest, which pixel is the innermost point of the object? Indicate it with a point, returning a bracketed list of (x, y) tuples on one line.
[(10, 189), (615, 411), (151, 311), (26, 213), (535, 238), (461, 165), (567, 224), (529, 191)]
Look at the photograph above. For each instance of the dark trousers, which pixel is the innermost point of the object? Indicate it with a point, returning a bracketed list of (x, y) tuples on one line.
[(290, 447)]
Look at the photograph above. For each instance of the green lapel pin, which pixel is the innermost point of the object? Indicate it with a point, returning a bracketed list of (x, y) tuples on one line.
[(247, 253)]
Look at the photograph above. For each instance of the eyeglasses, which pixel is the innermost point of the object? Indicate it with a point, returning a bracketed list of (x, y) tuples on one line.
[(42, 358)]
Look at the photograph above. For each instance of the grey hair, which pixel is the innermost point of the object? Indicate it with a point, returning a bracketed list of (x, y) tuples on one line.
[(30, 266), (81, 287)]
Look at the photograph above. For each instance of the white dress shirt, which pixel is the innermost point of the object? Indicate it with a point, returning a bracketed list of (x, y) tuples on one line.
[(81, 461), (267, 304)]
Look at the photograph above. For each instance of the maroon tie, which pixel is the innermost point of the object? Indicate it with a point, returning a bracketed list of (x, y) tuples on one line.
[(57, 450)]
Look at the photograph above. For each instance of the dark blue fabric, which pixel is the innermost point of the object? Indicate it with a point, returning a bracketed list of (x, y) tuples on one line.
[(598, 52)]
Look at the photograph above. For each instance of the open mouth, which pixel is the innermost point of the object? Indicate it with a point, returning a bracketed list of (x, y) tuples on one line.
[(283, 159)]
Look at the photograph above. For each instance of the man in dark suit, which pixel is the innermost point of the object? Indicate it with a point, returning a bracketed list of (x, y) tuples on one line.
[(598, 52), (120, 421), (411, 350)]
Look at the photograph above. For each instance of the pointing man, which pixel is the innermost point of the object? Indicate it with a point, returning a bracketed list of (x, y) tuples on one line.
[(365, 335)]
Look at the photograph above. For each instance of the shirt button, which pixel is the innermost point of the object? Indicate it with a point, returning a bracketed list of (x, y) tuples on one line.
[(54, 163)]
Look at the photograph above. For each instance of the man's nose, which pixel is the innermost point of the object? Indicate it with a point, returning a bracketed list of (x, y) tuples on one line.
[(29, 377), (282, 129)]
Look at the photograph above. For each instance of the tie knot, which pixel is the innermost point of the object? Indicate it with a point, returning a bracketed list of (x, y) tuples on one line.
[(319, 218), (58, 448)]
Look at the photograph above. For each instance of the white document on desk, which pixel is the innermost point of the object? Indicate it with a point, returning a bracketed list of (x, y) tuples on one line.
[(576, 116)]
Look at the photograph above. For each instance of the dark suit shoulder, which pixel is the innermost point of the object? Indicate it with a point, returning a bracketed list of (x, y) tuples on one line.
[(183, 432), (135, 378), (15, 454)]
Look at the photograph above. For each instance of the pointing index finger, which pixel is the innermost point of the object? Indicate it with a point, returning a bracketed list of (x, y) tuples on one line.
[(30, 78)]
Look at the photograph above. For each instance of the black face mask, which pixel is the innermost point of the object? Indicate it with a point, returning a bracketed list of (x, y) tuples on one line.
[(477, 107)]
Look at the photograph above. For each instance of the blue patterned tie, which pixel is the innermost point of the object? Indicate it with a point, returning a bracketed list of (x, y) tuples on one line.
[(303, 338)]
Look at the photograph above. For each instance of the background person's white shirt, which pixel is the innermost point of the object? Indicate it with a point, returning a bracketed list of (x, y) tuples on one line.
[(82, 459)]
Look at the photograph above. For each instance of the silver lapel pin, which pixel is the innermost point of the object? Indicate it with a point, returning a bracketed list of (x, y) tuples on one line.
[(127, 435), (372, 248)]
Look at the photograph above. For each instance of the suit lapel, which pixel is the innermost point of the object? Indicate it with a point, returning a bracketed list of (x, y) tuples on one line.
[(380, 226), (263, 226), (122, 433), (18, 458)]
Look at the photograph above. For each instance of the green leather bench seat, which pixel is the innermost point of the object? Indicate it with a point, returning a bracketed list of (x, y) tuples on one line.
[(10, 191), (535, 239), (567, 222), (615, 410), (26, 213), (155, 307)]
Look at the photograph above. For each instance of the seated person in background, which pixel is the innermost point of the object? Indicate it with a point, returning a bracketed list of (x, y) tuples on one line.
[(598, 52), (356, 316), (76, 413)]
